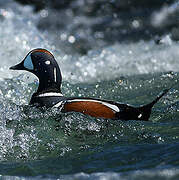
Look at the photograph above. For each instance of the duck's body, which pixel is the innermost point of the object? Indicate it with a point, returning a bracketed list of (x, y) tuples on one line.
[(43, 64)]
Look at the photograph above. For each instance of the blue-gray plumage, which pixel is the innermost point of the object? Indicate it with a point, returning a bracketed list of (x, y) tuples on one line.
[(43, 64)]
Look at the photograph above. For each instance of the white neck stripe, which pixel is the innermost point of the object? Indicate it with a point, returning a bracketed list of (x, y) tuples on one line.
[(50, 94), (55, 74), (111, 106)]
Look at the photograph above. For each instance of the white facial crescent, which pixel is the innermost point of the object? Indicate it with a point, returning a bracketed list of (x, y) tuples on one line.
[(28, 63)]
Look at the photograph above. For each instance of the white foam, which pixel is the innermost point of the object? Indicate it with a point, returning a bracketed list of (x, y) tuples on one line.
[(166, 16), (19, 34), (121, 59), (108, 63)]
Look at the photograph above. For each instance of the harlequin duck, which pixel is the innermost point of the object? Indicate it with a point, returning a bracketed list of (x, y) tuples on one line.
[(43, 64)]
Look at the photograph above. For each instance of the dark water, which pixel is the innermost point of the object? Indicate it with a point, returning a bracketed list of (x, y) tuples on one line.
[(36, 144)]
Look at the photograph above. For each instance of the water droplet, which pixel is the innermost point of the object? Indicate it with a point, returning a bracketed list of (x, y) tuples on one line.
[(71, 39)]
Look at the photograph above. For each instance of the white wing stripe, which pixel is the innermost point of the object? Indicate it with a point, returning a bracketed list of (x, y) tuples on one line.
[(50, 94), (58, 104), (111, 106)]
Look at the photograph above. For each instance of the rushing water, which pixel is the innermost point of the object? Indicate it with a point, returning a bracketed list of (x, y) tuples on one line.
[(49, 144)]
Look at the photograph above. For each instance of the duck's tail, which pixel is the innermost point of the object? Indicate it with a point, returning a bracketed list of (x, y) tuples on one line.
[(145, 110)]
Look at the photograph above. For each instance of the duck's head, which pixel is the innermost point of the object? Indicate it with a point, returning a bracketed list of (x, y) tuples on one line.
[(43, 64)]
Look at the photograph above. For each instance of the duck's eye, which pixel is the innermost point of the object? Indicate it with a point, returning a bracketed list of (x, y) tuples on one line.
[(47, 62)]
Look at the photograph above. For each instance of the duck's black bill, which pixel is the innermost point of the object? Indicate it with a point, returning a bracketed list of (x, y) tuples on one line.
[(17, 67)]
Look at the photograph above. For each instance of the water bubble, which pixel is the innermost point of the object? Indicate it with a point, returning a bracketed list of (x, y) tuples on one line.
[(136, 24), (44, 13), (63, 37), (71, 39)]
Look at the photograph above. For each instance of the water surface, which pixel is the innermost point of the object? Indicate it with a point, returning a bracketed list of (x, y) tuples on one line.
[(48, 144)]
